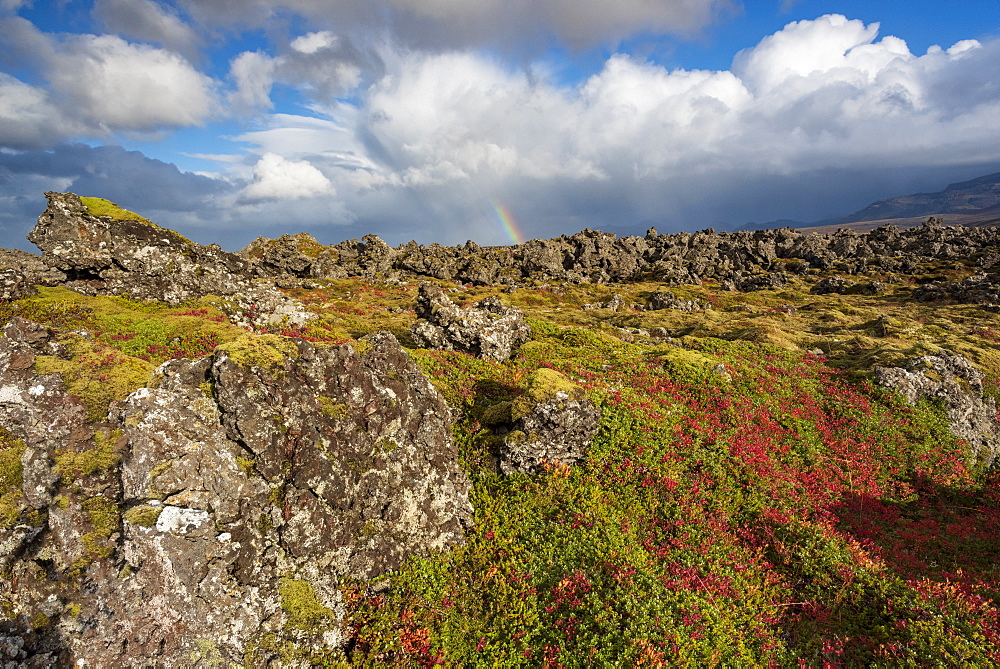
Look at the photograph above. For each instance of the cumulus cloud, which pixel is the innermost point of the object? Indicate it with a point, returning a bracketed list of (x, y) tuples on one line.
[(148, 21), (130, 86), (252, 73), (107, 84), (28, 119), (321, 65), (276, 178), (817, 94), (455, 130)]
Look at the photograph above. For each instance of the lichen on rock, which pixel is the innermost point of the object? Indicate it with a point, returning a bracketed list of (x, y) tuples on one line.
[(233, 515), (488, 330), (551, 423)]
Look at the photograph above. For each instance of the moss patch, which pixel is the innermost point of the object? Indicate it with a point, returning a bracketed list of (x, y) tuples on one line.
[(11, 472), (95, 373), (304, 610), (265, 351), (72, 465), (97, 206), (143, 515)]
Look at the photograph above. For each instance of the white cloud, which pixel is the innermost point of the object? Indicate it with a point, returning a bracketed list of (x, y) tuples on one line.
[(312, 42), (130, 87), (276, 178), (107, 84), (148, 21), (253, 74), (28, 118)]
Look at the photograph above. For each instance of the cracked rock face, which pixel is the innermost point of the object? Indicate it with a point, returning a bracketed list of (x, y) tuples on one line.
[(102, 255), (556, 432), (487, 330), (550, 425), (953, 380), (270, 461)]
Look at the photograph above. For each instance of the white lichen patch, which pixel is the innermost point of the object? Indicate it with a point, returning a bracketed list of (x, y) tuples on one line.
[(179, 520)]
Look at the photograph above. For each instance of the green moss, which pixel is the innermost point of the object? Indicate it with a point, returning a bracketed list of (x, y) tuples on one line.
[(688, 364), (73, 610), (206, 654), (97, 206), (11, 478), (362, 346), (246, 465), (267, 351), (95, 373), (332, 409), (143, 515), (304, 611), (543, 385), (104, 516), (72, 465)]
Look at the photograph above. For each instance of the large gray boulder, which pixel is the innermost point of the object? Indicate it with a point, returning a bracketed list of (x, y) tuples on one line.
[(212, 518), (487, 330), (124, 254), (958, 385)]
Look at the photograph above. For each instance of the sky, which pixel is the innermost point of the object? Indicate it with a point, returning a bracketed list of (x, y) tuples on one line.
[(490, 120)]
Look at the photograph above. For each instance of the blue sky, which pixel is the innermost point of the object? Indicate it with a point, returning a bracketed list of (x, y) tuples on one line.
[(421, 119)]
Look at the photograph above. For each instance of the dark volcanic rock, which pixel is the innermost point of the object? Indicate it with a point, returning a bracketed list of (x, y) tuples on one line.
[(183, 531), (552, 424), (667, 300), (488, 330), (976, 289), (953, 380), (101, 254), (745, 257), (769, 281)]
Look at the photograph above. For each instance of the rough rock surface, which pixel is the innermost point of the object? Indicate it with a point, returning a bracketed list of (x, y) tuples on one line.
[(552, 424), (14, 285), (976, 289), (487, 330), (667, 300), (671, 259), (182, 531), (101, 254), (953, 380)]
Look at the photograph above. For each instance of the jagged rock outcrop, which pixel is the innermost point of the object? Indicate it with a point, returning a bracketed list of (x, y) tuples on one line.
[(192, 526), (551, 424), (20, 271), (747, 258), (842, 286), (769, 281), (123, 254), (976, 289), (15, 284), (667, 300), (487, 330), (958, 384)]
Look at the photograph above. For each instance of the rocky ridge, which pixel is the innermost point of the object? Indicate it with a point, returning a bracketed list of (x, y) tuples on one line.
[(751, 260)]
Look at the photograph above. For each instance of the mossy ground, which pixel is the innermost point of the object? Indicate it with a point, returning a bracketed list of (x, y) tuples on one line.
[(749, 500)]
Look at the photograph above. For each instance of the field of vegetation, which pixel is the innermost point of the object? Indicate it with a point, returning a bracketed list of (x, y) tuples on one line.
[(750, 499)]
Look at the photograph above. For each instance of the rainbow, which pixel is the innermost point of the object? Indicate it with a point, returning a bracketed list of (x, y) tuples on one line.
[(508, 222)]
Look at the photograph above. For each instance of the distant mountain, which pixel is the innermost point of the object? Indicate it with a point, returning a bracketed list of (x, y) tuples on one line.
[(966, 203), (967, 197)]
